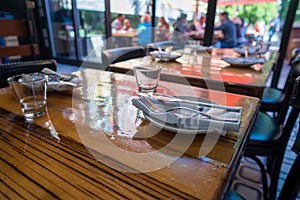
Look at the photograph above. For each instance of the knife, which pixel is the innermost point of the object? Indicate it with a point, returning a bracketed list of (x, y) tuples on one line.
[(163, 97)]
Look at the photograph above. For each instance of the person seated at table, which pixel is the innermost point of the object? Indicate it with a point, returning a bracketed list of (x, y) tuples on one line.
[(199, 23), (181, 24), (162, 30), (240, 30), (144, 30), (228, 28), (116, 25), (181, 32), (127, 25), (259, 28), (274, 26)]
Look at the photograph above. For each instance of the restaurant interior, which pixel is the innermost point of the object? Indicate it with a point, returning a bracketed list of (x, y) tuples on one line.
[(150, 99)]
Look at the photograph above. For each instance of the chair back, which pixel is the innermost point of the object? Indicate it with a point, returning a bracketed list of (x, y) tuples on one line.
[(288, 90), (154, 46), (291, 186), (294, 102), (11, 69), (111, 56), (295, 54)]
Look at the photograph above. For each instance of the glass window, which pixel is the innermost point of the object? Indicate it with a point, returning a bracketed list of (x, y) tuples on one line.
[(63, 29), (92, 29), (78, 42), (170, 14), (131, 23), (252, 22)]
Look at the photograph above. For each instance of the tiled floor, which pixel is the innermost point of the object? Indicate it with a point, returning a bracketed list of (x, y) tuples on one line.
[(248, 178)]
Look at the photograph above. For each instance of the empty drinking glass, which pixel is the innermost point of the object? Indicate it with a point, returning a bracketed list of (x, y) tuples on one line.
[(147, 77), (31, 93)]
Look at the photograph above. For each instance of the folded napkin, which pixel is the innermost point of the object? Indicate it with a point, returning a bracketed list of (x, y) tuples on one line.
[(61, 82), (185, 114)]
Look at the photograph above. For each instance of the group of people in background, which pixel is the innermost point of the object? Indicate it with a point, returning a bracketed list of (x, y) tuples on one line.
[(233, 29), (121, 24)]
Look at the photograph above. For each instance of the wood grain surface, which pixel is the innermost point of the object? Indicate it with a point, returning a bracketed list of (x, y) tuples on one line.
[(33, 165)]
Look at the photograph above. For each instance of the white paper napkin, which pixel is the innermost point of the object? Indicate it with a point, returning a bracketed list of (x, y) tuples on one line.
[(61, 82)]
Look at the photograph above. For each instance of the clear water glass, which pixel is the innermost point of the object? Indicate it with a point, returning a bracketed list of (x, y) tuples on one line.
[(147, 77), (31, 93)]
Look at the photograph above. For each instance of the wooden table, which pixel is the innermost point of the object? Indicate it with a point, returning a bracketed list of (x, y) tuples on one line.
[(35, 166), (210, 71), (124, 38), (200, 36)]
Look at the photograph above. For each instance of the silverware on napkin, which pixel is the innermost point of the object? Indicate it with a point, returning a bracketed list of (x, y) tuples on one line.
[(154, 107), (163, 97), (188, 118), (61, 82)]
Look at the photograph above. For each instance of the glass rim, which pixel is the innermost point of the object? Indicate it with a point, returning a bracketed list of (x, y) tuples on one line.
[(40, 77), (145, 67)]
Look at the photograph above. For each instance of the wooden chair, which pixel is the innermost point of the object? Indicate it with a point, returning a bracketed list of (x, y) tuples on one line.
[(11, 69), (20, 32), (295, 54), (291, 186), (269, 139), (273, 99), (273, 96)]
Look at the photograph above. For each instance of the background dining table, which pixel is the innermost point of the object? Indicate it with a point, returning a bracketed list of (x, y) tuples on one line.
[(209, 70), (92, 118), (126, 37)]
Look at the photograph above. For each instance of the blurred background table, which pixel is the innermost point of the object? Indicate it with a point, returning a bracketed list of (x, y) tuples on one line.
[(125, 38), (210, 71)]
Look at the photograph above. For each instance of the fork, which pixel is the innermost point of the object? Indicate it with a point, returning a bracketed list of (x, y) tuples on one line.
[(203, 104), (155, 108), (154, 111)]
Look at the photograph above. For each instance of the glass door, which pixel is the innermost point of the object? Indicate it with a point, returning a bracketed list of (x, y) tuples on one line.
[(92, 27), (63, 29), (78, 29)]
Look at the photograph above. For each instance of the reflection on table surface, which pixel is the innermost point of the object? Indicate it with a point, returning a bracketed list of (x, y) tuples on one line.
[(97, 122), (210, 71)]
